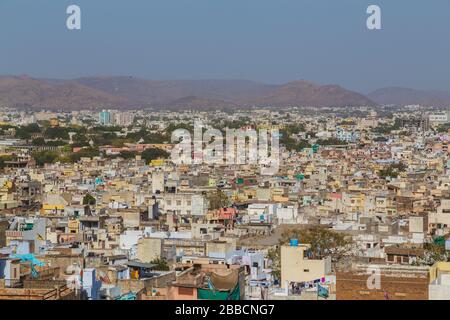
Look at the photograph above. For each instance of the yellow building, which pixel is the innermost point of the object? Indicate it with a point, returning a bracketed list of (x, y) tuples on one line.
[(54, 204), (439, 287), (73, 226), (54, 122), (157, 162), (297, 267), (439, 268)]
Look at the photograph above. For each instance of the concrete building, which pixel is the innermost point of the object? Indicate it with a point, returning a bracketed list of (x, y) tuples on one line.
[(439, 221), (105, 117), (439, 288), (185, 204), (297, 267), (149, 249)]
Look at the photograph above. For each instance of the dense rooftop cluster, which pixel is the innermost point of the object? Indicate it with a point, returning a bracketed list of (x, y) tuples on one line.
[(92, 204)]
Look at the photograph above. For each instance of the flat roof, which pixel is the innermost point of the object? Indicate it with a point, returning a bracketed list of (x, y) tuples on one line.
[(139, 264)]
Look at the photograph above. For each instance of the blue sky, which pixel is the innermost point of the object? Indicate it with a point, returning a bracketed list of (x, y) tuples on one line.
[(274, 41)]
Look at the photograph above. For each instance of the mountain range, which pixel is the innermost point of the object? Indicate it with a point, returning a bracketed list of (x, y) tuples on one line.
[(129, 92), (406, 96)]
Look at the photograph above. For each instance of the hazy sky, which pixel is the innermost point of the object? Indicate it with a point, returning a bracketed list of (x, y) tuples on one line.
[(274, 41)]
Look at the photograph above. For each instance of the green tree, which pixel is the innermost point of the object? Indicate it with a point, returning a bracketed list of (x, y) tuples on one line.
[(443, 128), (3, 159), (323, 241), (294, 128), (331, 142), (393, 170), (387, 129), (274, 255), (104, 138), (235, 124), (124, 155), (172, 127), (44, 157), (89, 200), (432, 253), (80, 140), (160, 264), (25, 132), (154, 153), (57, 133), (128, 154), (38, 142), (85, 152), (218, 199), (99, 129), (136, 136), (291, 143)]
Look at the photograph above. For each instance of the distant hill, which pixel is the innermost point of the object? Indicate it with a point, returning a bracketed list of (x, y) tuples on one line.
[(25, 92), (130, 92), (305, 93), (163, 92), (406, 96), (241, 92), (193, 102)]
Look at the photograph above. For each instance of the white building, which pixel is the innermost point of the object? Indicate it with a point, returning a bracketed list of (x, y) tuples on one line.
[(440, 117), (439, 289), (185, 204)]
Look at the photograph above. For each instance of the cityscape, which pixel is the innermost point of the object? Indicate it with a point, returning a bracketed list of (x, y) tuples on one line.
[(94, 208), (224, 158)]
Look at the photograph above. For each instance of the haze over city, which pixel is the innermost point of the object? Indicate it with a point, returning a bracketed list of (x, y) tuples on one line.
[(326, 42)]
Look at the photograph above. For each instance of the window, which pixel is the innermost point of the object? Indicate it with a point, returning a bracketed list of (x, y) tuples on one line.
[(169, 202), (189, 202), (178, 202), (305, 270)]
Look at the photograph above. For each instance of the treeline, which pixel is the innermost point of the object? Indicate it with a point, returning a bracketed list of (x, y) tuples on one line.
[(47, 157)]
